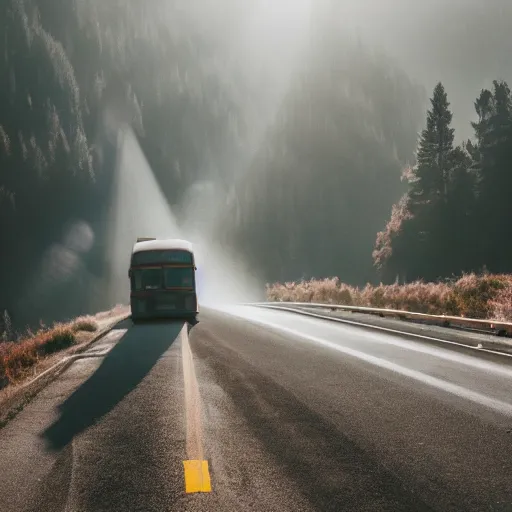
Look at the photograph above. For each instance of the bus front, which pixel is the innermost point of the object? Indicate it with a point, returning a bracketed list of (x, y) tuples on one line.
[(162, 280)]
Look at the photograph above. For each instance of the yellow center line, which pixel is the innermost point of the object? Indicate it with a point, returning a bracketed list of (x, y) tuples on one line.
[(197, 475)]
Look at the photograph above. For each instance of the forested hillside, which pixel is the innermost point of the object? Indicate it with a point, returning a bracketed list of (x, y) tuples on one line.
[(456, 215), (330, 166), (300, 137), (72, 72)]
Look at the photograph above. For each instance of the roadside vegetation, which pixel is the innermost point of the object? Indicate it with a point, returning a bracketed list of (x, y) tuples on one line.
[(487, 296), (20, 353)]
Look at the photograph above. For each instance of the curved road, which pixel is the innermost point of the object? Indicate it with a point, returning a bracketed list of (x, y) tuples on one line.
[(291, 414)]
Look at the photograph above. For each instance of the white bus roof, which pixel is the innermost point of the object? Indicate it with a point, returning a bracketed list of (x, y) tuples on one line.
[(163, 245)]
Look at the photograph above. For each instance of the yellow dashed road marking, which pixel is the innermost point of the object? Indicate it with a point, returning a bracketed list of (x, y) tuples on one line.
[(197, 476)]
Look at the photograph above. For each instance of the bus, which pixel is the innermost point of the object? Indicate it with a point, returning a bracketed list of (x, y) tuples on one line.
[(162, 280)]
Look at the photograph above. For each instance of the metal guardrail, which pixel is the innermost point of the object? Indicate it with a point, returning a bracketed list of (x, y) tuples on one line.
[(497, 327)]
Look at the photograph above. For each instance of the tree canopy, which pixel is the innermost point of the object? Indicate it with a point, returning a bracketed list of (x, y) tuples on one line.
[(454, 217)]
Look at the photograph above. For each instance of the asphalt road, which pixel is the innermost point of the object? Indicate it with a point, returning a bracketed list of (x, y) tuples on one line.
[(291, 413)]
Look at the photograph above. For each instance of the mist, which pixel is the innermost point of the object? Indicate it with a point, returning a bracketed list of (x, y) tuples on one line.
[(273, 135), (140, 209), (463, 43)]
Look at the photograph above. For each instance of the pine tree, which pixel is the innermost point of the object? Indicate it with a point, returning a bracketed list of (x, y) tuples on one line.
[(429, 227), (459, 214), (492, 161), (430, 223), (432, 173)]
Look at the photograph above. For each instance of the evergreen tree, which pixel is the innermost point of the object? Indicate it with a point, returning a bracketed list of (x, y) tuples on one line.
[(432, 173), (492, 157), (427, 229), (67, 66), (429, 225), (459, 217)]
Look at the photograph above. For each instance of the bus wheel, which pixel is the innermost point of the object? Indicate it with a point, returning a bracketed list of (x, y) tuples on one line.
[(192, 320)]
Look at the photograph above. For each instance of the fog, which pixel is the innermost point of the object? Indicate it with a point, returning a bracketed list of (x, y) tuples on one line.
[(463, 43), (257, 130), (264, 44), (140, 209)]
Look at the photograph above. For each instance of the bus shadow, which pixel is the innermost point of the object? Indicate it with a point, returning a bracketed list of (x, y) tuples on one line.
[(191, 323), (121, 371)]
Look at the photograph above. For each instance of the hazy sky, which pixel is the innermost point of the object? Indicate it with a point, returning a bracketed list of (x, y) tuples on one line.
[(463, 43)]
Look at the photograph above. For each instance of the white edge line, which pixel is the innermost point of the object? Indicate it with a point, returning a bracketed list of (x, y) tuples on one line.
[(449, 387), (385, 329)]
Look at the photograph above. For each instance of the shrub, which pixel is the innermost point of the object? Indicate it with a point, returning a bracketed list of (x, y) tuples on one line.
[(485, 296), (56, 339), (501, 305), (85, 323), (18, 356), (472, 295)]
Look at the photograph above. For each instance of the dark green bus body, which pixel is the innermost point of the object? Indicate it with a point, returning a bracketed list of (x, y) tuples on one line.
[(163, 281)]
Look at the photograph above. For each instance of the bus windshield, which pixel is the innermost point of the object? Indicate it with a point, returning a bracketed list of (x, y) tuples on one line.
[(178, 277), (160, 278), (147, 279)]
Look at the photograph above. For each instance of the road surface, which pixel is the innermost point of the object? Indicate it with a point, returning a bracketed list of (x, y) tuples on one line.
[(291, 414)]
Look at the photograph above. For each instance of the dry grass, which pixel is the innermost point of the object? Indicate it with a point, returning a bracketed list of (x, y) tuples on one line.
[(33, 353), (118, 310), (85, 323), (473, 296), (19, 356)]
